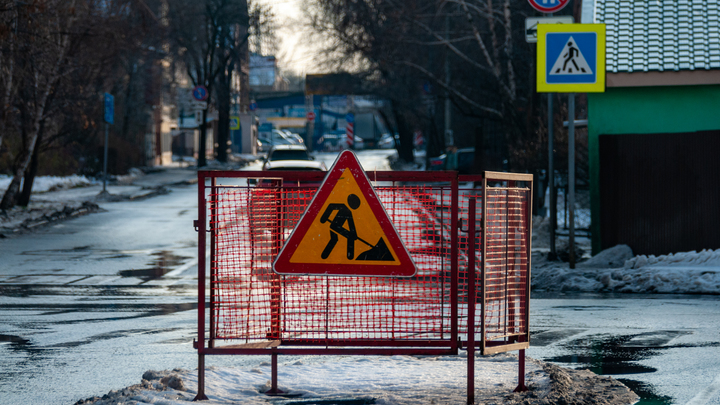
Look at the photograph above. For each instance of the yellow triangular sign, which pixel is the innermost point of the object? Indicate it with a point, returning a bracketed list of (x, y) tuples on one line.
[(345, 231)]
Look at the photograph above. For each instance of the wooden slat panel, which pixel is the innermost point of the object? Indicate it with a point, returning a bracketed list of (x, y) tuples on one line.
[(659, 193)]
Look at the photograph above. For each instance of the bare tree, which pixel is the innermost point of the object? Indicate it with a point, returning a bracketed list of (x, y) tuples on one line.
[(469, 51), (202, 32), (58, 57), (44, 62)]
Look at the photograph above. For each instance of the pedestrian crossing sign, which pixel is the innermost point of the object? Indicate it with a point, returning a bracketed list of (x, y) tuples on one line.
[(571, 58), (345, 231)]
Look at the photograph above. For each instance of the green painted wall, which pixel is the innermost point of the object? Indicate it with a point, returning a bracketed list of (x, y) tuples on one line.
[(645, 110)]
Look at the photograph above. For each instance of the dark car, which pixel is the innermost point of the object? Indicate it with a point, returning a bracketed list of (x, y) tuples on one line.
[(465, 161)]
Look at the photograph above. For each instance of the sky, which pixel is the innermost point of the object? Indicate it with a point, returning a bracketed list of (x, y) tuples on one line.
[(294, 55)]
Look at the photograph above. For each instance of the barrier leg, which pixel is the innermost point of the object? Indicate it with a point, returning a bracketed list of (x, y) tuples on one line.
[(521, 372), (201, 379), (274, 391), (471, 374), (273, 361), (472, 298)]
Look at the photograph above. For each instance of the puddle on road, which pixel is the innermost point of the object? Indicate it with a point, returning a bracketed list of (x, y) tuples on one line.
[(164, 261), (646, 392), (621, 354), (16, 340)]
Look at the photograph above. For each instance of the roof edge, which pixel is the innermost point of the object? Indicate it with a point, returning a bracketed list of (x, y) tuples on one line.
[(672, 78)]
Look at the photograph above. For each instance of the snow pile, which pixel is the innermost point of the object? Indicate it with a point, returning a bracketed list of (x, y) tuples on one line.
[(393, 380), (48, 183), (614, 271)]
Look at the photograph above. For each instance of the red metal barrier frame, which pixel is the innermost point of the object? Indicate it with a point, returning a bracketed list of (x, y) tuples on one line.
[(442, 346)]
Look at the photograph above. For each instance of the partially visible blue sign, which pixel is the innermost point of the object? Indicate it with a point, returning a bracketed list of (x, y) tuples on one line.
[(350, 118), (234, 122), (253, 106), (109, 102)]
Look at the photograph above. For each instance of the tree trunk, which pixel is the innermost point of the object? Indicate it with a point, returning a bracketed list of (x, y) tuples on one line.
[(202, 160), (405, 150), (24, 198), (10, 197), (223, 104), (478, 163)]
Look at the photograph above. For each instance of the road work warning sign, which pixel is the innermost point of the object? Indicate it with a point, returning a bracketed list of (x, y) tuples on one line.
[(345, 231)]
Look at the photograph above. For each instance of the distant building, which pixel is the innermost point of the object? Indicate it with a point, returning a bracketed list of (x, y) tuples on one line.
[(264, 74)]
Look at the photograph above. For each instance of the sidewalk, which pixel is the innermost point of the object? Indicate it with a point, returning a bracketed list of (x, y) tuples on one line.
[(55, 205)]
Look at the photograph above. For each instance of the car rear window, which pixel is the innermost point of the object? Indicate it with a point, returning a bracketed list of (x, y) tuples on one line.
[(311, 169), (289, 155)]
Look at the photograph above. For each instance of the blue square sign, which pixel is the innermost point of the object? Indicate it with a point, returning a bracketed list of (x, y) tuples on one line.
[(571, 57), (109, 104)]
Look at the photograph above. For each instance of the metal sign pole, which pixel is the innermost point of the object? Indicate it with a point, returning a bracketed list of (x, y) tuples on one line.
[(109, 118), (105, 158), (571, 178), (551, 177)]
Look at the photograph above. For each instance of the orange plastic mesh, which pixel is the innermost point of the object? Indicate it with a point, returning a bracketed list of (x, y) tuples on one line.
[(506, 265), (250, 302)]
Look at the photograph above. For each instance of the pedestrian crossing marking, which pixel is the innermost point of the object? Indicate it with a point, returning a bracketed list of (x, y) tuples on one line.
[(571, 61)]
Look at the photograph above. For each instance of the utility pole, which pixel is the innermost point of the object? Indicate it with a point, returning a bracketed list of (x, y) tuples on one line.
[(449, 138), (571, 178), (109, 118)]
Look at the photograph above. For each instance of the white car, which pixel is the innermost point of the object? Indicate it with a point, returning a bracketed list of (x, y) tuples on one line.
[(387, 141), (291, 157), (295, 137), (281, 137)]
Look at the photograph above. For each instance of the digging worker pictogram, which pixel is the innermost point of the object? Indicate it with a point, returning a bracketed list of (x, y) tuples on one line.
[(378, 251), (337, 225)]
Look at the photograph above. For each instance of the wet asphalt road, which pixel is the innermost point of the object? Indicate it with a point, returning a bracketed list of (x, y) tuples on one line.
[(88, 305), (664, 347), (81, 308)]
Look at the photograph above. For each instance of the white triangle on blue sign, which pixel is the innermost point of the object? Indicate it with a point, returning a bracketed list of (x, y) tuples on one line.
[(571, 61)]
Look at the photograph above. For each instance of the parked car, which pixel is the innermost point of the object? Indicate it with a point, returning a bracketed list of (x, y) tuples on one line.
[(294, 137), (291, 157), (437, 163), (281, 137), (264, 145), (464, 162), (337, 140), (387, 141)]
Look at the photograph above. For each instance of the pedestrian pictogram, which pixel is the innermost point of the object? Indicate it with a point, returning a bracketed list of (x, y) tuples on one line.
[(345, 231), (571, 58), (571, 61)]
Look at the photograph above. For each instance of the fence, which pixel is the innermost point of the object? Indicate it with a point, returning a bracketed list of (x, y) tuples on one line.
[(254, 311)]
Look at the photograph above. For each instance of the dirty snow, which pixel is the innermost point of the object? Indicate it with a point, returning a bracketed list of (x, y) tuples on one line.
[(47, 183), (377, 380)]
